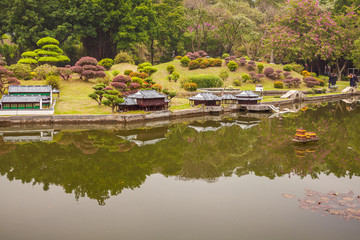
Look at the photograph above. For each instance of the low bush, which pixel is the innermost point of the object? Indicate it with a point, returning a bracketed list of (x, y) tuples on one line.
[(237, 82), (245, 77), (287, 68), (175, 76), (21, 71), (310, 81), (260, 67), (224, 74), (297, 67), (137, 80), (242, 61), (206, 81), (204, 64), (45, 70), (215, 62), (122, 78), (150, 70), (106, 63), (285, 74), (178, 57), (170, 68), (115, 73), (232, 65), (193, 65), (190, 87), (53, 81), (321, 82), (157, 87), (184, 61), (140, 75), (123, 57), (268, 71), (127, 72), (278, 84), (225, 55)]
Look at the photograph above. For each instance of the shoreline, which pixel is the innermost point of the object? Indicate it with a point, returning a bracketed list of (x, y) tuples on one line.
[(6, 121)]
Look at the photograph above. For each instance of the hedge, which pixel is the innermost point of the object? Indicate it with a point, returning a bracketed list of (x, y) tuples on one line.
[(206, 81)]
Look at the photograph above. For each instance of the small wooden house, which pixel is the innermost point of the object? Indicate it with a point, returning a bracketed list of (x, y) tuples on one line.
[(23, 102), (248, 97), (229, 99), (207, 99), (148, 100), (45, 91)]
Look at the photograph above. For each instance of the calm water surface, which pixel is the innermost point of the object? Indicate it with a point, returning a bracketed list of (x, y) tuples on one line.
[(204, 178)]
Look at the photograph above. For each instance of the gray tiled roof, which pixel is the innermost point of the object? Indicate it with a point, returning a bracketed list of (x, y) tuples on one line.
[(147, 94), (129, 102), (228, 97), (205, 97), (21, 99), (248, 95), (29, 88)]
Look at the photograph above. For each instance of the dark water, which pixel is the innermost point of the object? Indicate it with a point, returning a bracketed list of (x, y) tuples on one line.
[(204, 178)]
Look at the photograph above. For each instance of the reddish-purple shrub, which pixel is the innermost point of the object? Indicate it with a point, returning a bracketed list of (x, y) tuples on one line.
[(77, 69), (268, 71), (88, 74), (100, 68), (273, 76), (119, 85), (89, 67), (286, 74), (108, 88), (100, 74), (310, 81), (122, 78), (86, 61), (251, 66), (134, 86), (202, 53), (64, 73)]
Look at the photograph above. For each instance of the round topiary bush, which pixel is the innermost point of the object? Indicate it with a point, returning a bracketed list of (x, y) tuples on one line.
[(278, 84), (122, 78), (268, 71), (184, 61), (260, 67), (127, 72), (287, 68), (225, 55), (123, 57), (190, 87), (170, 68), (106, 63), (193, 65), (206, 81), (232, 65), (245, 77)]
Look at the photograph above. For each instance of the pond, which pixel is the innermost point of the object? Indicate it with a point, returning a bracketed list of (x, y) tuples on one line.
[(237, 176)]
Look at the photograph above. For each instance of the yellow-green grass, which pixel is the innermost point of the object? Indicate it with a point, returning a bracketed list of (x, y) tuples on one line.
[(179, 104)]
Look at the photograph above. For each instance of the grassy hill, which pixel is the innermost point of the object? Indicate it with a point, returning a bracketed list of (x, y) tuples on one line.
[(161, 74)]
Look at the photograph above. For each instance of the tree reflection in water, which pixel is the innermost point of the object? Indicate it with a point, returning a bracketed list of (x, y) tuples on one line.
[(101, 163)]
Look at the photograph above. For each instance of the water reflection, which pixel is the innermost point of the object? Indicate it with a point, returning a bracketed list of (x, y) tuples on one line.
[(102, 163)]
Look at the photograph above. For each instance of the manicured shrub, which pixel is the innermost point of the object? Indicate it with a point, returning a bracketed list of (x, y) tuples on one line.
[(312, 74), (170, 68), (123, 57), (53, 81), (225, 55), (143, 65), (260, 67), (50, 53), (297, 68), (115, 73), (296, 82), (21, 71), (204, 64), (149, 80), (193, 65), (217, 62), (242, 61), (175, 76), (88, 68), (134, 86), (184, 61), (122, 78), (268, 71), (321, 82), (287, 68), (45, 70), (232, 66), (47, 41), (149, 70), (178, 57), (278, 84), (285, 74), (247, 58), (106, 63), (157, 87), (206, 81), (251, 66), (190, 87), (310, 81), (245, 77), (137, 80), (256, 77), (64, 72), (29, 61), (29, 54), (237, 82), (199, 60), (140, 75), (127, 72), (6, 80), (119, 86)]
